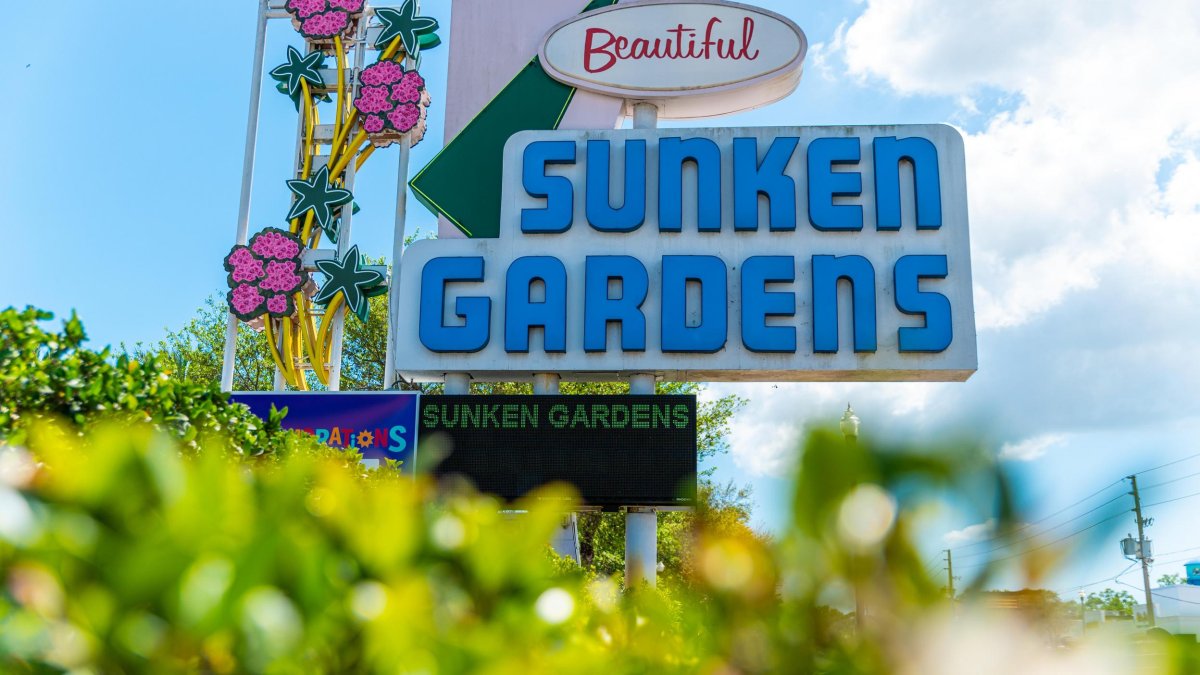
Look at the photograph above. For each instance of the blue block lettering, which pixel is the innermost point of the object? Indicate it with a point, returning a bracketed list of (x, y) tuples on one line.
[(600, 213), (824, 184), (473, 335), (710, 334), (559, 212), (827, 271), (751, 179), (599, 308), (673, 153), (758, 303), (521, 313), (922, 154), (938, 331)]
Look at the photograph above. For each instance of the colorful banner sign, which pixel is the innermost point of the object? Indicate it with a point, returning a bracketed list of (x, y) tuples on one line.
[(379, 425)]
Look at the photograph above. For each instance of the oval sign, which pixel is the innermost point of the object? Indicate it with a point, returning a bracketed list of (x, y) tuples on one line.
[(694, 58)]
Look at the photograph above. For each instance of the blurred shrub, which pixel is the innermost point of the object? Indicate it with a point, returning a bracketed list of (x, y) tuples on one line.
[(120, 553), (135, 537)]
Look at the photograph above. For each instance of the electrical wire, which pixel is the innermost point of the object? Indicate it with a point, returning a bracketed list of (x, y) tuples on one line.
[(1042, 520), (1043, 532), (1152, 592), (1168, 501), (1182, 550), (1162, 466), (1168, 482), (1081, 501), (1048, 544), (1115, 577)]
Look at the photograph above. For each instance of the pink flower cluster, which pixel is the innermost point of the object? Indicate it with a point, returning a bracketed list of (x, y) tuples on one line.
[(321, 19), (276, 244), (391, 100), (265, 275)]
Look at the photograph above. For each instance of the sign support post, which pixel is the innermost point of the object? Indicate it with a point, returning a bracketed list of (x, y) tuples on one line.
[(457, 383), (243, 224), (641, 524), (566, 540), (405, 150), (343, 241)]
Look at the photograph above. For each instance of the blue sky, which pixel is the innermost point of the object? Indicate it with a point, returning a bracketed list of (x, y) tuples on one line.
[(121, 189)]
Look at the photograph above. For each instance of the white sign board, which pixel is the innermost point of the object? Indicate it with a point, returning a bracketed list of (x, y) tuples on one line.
[(735, 254), (695, 58)]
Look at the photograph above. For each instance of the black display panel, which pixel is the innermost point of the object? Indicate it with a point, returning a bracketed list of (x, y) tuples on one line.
[(616, 450)]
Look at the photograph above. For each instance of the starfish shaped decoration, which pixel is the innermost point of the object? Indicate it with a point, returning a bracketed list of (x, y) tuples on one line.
[(318, 196), (300, 68), (405, 24), (351, 280)]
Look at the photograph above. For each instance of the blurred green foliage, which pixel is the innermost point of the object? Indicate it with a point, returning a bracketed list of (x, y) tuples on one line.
[(122, 553), (1120, 602), (143, 545)]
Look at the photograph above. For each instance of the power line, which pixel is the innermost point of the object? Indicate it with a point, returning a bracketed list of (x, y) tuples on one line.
[(1168, 501), (1115, 577), (1043, 532), (1173, 480), (1182, 550), (1042, 520), (1162, 466), (1152, 592), (1049, 544)]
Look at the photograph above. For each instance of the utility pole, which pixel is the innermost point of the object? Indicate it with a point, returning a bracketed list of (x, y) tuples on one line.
[(950, 574), (1141, 550)]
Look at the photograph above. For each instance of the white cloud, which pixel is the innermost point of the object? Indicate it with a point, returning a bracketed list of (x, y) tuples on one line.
[(1085, 206), (1056, 183), (1030, 448), (970, 534)]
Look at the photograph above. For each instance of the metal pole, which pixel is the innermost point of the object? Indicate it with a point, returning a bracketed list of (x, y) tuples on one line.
[(398, 228), (457, 383), (297, 160), (243, 225), (545, 383), (1137, 510), (565, 541), (393, 329), (645, 115), (641, 524), (343, 242), (641, 547)]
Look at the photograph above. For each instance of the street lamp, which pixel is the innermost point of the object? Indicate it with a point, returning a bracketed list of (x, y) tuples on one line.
[(849, 424)]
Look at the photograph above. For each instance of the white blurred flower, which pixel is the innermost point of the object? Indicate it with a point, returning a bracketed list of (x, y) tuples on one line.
[(866, 516), (555, 606)]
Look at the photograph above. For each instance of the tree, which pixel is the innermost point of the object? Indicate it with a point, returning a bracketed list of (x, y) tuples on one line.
[(197, 350), (1170, 580), (51, 376), (1114, 601)]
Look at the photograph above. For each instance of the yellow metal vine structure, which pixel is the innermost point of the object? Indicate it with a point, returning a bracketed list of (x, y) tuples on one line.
[(299, 337)]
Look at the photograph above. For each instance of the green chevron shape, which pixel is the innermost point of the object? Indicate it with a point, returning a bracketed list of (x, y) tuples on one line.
[(463, 181)]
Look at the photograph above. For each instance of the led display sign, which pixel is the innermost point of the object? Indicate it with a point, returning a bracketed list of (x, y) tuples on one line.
[(615, 450)]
